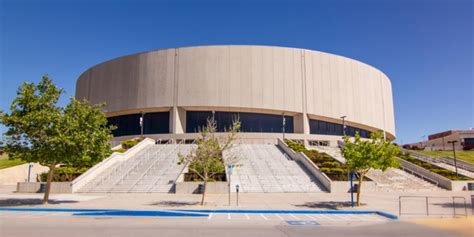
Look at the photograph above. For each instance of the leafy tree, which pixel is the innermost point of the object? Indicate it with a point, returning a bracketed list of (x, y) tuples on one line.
[(206, 159), (41, 131), (362, 155)]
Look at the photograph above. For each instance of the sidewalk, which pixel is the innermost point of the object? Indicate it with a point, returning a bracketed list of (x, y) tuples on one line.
[(380, 201)]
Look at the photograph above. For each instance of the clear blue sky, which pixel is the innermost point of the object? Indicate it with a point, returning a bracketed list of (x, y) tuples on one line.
[(425, 47)]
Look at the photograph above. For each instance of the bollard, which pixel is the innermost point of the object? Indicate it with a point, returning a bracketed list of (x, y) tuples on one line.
[(472, 203), (237, 193)]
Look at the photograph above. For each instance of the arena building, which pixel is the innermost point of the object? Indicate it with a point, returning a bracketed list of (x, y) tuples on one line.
[(275, 91)]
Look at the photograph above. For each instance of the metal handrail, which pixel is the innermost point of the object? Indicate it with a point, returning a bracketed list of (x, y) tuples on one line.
[(127, 172), (421, 176), (117, 167), (155, 181), (426, 201), (147, 170)]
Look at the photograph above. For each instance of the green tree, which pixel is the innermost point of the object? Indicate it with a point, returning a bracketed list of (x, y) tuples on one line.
[(364, 154), (206, 159), (39, 130)]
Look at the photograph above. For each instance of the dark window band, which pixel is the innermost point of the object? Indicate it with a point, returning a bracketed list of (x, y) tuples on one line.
[(250, 122), (328, 128), (153, 123)]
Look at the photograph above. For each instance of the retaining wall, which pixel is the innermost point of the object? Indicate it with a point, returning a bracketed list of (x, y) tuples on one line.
[(36, 187)]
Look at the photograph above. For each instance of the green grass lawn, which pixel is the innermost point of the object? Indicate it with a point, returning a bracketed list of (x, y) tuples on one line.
[(6, 163), (467, 156)]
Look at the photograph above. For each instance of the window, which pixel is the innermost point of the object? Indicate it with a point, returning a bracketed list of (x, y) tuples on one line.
[(250, 122), (153, 123), (328, 128), (318, 143)]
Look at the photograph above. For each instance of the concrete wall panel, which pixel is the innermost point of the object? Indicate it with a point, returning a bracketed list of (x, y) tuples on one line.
[(244, 78)]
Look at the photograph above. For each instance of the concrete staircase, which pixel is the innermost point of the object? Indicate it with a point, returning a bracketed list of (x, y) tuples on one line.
[(398, 180), (265, 168), (391, 180), (153, 169)]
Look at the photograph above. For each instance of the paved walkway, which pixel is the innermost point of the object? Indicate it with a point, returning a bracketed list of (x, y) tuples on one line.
[(380, 201)]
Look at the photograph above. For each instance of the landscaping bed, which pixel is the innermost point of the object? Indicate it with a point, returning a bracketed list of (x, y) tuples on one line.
[(435, 169), (334, 169), (192, 177), (63, 174)]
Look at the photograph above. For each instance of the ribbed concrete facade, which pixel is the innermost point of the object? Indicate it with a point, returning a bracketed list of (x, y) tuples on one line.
[(302, 83)]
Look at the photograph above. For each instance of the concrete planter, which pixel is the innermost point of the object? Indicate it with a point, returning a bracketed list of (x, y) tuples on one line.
[(435, 178), (344, 186), (193, 187), (330, 185), (56, 187)]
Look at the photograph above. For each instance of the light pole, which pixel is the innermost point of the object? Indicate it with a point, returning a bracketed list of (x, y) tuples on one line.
[(454, 154), (283, 125), (343, 125), (421, 143), (141, 124)]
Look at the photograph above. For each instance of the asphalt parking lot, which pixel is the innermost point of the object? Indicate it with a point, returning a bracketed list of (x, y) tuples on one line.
[(52, 224)]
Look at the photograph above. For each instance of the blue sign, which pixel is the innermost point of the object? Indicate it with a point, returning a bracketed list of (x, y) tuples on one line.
[(302, 223)]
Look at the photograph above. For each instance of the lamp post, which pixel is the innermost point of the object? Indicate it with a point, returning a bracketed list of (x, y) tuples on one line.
[(343, 125), (454, 154), (283, 125), (141, 124)]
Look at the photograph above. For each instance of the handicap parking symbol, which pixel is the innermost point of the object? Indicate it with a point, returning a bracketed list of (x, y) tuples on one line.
[(302, 223)]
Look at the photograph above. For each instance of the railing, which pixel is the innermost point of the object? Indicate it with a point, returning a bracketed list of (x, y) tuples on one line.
[(431, 207), (164, 171), (93, 172), (193, 146), (426, 174), (459, 163), (447, 160)]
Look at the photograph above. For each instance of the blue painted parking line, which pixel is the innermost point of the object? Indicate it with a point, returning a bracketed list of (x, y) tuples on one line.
[(109, 212)]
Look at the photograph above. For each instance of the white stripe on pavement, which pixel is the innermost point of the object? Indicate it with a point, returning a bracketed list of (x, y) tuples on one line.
[(296, 218)]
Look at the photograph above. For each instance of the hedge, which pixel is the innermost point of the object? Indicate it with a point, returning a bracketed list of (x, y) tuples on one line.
[(63, 174)]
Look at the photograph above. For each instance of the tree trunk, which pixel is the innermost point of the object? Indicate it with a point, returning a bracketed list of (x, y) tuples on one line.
[(48, 184), (361, 177), (204, 191)]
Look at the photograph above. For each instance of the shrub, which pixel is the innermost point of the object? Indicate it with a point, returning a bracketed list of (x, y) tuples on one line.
[(338, 171), (334, 169), (121, 150), (325, 170), (330, 164), (64, 174), (295, 146), (127, 144)]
